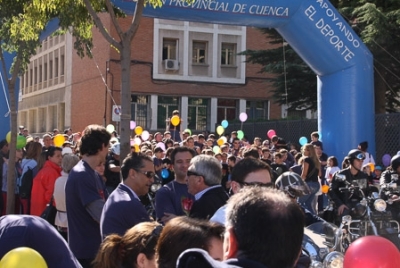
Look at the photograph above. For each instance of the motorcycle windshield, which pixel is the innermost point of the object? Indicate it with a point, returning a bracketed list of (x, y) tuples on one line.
[(322, 233)]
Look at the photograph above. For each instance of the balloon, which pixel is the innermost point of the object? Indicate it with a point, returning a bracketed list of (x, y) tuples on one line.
[(271, 133), (220, 130), (58, 140), (21, 141), (371, 252), (138, 130), (188, 131), (220, 142), (145, 135), (386, 159), (224, 139), (8, 137), (132, 142), (23, 257), (372, 167), (132, 125), (161, 145), (137, 148), (240, 134), (303, 140), (137, 141), (164, 173), (324, 189), (224, 123), (243, 117), (175, 120), (216, 149), (110, 128)]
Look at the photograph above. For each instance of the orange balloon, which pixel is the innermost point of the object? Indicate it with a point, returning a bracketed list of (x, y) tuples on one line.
[(372, 167), (220, 141), (175, 120), (324, 189), (58, 140)]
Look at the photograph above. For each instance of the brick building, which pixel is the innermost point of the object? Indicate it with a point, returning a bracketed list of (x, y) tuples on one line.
[(192, 67)]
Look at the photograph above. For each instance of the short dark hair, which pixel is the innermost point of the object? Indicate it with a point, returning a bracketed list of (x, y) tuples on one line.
[(315, 134), (246, 166), (181, 149), (52, 150), (133, 161), (260, 218), (251, 152), (94, 137), (3, 143), (182, 233)]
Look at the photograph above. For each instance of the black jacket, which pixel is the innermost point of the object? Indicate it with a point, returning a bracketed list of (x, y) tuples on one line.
[(209, 203), (341, 198)]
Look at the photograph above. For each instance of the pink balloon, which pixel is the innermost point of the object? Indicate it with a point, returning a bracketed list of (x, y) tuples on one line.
[(145, 135), (132, 125), (243, 117), (271, 133)]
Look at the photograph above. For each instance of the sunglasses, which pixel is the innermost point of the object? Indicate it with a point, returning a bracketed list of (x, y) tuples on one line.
[(192, 173), (148, 174), (258, 184), (155, 234)]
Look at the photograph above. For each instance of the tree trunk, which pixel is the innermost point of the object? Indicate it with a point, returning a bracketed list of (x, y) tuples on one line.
[(125, 97), (12, 146)]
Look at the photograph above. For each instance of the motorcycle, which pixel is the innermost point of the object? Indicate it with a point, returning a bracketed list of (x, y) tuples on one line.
[(390, 192), (368, 217), (320, 244), (149, 199)]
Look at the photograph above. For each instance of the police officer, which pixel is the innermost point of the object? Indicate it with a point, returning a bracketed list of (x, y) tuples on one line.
[(346, 200)]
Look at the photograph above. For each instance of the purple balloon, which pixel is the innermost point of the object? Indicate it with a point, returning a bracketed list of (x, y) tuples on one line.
[(386, 159)]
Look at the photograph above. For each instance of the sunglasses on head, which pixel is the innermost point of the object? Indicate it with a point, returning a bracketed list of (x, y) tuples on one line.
[(258, 184), (155, 234)]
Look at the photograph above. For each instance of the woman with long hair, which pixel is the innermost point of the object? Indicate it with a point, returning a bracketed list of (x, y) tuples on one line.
[(311, 170), (43, 182), (135, 249), (30, 162)]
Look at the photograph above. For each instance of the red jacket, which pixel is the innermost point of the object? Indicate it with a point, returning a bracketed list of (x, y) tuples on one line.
[(43, 187)]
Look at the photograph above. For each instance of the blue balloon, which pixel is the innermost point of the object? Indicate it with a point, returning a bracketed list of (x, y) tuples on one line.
[(164, 173), (303, 140), (224, 124)]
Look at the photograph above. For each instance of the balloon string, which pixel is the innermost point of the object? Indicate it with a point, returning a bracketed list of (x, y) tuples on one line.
[(5, 95)]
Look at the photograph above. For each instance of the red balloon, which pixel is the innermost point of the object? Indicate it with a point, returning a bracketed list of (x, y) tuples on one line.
[(372, 252)]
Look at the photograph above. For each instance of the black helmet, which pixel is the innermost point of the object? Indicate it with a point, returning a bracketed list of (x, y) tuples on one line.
[(395, 162), (355, 154), (292, 184)]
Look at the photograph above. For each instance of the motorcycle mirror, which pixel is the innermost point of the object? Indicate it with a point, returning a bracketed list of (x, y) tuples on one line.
[(340, 177)]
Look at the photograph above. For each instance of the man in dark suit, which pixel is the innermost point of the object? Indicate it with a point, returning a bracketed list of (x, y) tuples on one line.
[(204, 182)]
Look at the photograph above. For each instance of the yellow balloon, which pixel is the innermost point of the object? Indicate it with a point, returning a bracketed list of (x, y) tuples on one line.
[(138, 130), (220, 141), (23, 257), (8, 137), (58, 140), (220, 130), (175, 120), (137, 148)]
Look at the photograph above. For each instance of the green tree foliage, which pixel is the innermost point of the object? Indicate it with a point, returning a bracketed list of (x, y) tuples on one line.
[(377, 22)]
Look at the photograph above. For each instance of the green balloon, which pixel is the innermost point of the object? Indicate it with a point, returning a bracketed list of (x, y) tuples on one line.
[(240, 134), (21, 142)]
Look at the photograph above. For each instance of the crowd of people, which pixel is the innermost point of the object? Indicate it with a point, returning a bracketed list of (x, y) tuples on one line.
[(222, 202)]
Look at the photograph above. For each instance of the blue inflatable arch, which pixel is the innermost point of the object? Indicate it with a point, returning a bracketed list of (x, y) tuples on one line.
[(322, 38)]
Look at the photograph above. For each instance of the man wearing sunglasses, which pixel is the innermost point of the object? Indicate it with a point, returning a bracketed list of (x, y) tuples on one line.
[(344, 200), (247, 172), (123, 208)]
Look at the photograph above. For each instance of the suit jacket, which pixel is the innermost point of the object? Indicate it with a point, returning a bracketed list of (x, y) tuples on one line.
[(209, 203)]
